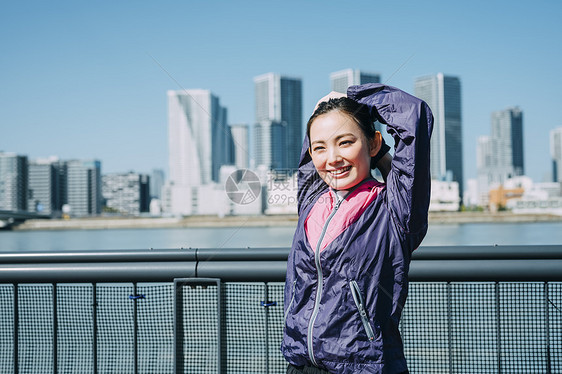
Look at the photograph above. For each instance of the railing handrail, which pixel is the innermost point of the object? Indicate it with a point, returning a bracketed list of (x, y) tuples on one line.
[(467, 252), (431, 263)]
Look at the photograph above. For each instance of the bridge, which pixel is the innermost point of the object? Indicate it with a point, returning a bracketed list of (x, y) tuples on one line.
[(11, 218)]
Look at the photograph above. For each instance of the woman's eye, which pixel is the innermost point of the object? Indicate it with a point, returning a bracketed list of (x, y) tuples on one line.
[(317, 149), (346, 142)]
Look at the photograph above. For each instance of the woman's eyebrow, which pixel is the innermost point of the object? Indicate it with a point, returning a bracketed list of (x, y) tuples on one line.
[(343, 135), (336, 138)]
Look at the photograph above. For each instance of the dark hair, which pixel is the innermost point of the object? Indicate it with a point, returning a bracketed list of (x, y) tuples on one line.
[(359, 113)]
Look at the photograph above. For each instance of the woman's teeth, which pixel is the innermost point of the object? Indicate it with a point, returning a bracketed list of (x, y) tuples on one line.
[(340, 171)]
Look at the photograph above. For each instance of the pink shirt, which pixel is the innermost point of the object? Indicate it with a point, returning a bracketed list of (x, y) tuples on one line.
[(349, 211)]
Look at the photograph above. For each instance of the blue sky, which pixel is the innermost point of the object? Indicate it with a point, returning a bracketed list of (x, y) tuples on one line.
[(79, 80)]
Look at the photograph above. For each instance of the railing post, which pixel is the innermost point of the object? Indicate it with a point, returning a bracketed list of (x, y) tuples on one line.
[(55, 329), (449, 325), (266, 311), (547, 328), (16, 329), (221, 328), (498, 327), (178, 329), (135, 330), (221, 358), (95, 327)]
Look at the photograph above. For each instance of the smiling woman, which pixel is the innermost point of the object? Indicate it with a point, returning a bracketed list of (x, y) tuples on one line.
[(347, 273)]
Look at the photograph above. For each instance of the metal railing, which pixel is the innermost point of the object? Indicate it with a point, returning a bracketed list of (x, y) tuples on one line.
[(470, 309)]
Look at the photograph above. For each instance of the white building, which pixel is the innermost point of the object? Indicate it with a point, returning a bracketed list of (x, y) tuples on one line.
[(126, 193), (200, 143), (538, 198), (472, 196), (445, 196), (198, 137), (241, 140), (341, 80), (281, 194)]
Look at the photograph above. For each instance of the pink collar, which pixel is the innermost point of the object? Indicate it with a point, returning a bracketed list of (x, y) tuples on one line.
[(349, 211)]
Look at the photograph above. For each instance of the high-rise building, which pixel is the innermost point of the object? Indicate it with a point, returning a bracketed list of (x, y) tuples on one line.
[(84, 195), (13, 182), (556, 154), (443, 95), (271, 144), (499, 156), (484, 168), (200, 142), (341, 80), (507, 143), (278, 135), (199, 138), (47, 186), (484, 152), (126, 193), (241, 140), (156, 183)]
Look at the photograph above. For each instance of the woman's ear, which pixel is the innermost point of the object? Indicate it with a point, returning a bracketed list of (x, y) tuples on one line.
[(375, 144)]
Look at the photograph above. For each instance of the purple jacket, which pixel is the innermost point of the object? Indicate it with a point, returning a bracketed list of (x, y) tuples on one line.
[(344, 293)]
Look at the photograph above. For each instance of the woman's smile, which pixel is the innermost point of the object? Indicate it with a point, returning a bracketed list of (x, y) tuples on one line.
[(338, 173)]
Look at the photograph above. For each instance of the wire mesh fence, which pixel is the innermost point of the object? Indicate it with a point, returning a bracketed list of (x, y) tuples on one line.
[(237, 327)]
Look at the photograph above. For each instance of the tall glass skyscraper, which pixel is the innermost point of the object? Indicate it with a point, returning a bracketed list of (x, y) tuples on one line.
[(278, 131), (198, 136), (443, 95), (341, 80)]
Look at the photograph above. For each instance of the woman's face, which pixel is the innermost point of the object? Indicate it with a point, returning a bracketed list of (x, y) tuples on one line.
[(340, 151)]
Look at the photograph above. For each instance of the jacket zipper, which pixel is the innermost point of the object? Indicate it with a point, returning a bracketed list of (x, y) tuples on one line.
[(356, 293), (292, 300), (320, 284), (320, 276)]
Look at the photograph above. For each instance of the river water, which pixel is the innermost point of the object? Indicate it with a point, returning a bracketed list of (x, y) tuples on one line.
[(438, 234)]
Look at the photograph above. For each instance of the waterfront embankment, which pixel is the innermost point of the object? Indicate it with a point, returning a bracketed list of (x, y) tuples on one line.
[(102, 223)]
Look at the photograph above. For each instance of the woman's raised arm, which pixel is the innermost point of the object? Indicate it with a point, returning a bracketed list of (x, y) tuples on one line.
[(410, 122)]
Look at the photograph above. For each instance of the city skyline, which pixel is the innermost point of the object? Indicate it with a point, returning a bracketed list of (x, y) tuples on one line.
[(86, 81)]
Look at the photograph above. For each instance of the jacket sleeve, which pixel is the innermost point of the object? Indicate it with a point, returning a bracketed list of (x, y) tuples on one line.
[(410, 122)]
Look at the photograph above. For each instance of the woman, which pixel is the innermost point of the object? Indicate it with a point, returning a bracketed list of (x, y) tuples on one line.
[(347, 273)]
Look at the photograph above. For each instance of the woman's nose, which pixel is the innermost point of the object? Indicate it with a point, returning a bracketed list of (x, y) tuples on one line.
[(334, 155)]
